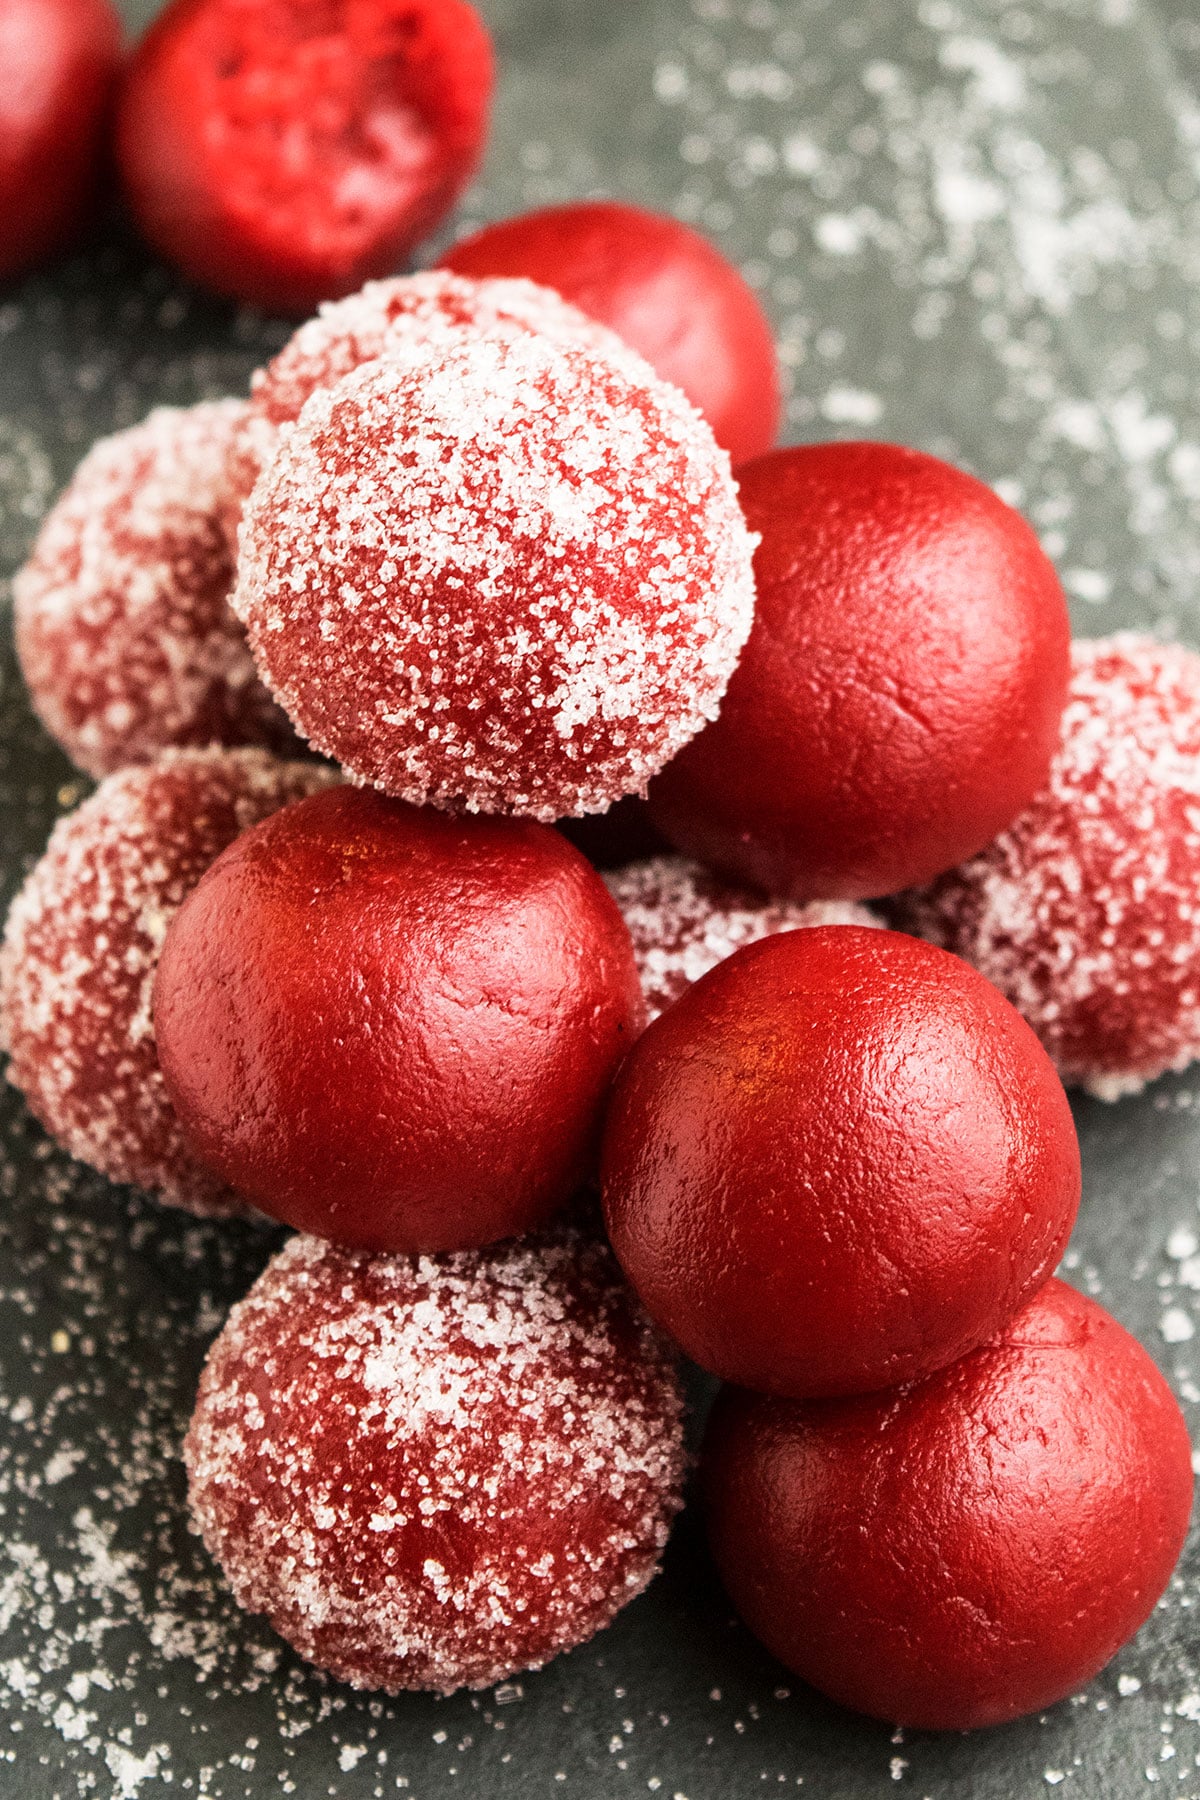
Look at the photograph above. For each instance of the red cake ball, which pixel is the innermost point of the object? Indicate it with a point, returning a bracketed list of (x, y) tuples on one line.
[(900, 697), (840, 1161), (967, 1549), (284, 153), (684, 921), (60, 61), (82, 943), (123, 625), (664, 289), (436, 1472), (1086, 911), (512, 577), (394, 1028), (409, 313)]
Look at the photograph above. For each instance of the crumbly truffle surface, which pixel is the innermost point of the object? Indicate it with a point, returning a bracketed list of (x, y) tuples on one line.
[(1086, 911), (81, 947), (510, 578), (684, 921), (123, 624), (432, 1472)]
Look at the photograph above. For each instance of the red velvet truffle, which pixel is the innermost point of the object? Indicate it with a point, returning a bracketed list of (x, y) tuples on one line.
[(968, 1549), (433, 1473), (284, 153), (123, 625), (900, 697), (82, 943), (60, 60), (394, 1028), (664, 289), (513, 577), (1086, 911), (409, 313), (840, 1161), (684, 921)]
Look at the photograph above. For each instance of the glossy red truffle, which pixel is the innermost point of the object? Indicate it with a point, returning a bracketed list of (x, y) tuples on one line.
[(684, 921), (664, 289), (968, 1549), (1086, 911), (509, 577), (840, 1161), (899, 699), (60, 60), (284, 153), (406, 314), (81, 946), (123, 625), (394, 1028), (436, 1472)]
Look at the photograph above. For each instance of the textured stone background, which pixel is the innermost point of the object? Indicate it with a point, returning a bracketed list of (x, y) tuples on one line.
[(977, 227)]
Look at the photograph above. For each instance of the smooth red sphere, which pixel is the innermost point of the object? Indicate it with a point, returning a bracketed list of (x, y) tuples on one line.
[(968, 1549), (900, 696), (664, 289), (393, 1028), (432, 1472), (1086, 911), (59, 60), (284, 153), (838, 1162)]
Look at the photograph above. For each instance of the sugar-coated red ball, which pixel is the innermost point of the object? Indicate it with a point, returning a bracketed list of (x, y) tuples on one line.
[(408, 313), (123, 626), (394, 1028), (662, 287), (437, 1472), (900, 696), (510, 577), (838, 1162), (82, 943), (967, 1549), (1086, 911), (60, 60), (283, 153), (683, 921)]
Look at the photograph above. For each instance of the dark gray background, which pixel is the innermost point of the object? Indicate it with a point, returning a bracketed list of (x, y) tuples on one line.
[(977, 226)]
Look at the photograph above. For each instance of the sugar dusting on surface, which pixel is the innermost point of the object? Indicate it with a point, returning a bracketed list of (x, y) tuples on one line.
[(437, 1472), (684, 921), (81, 947), (532, 559), (1086, 911), (123, 624)]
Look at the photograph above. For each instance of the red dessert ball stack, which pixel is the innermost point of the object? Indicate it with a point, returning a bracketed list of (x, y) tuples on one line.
[(661, 287), (396, 1028), (435, 1472), (840, 1161), (899, 699), (82, 944), (974, 1547), (123, 625), (284, 154), (509, 577), (1086, 911)]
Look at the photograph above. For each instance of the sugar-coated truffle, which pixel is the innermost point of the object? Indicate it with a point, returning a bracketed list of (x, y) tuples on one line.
[(838, 1162), (968, 1549), (396, 1028), (683, 921), (123, 625), (1086, 911), (81, 946), (513, 577), (436, 1472), (899, 698)]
